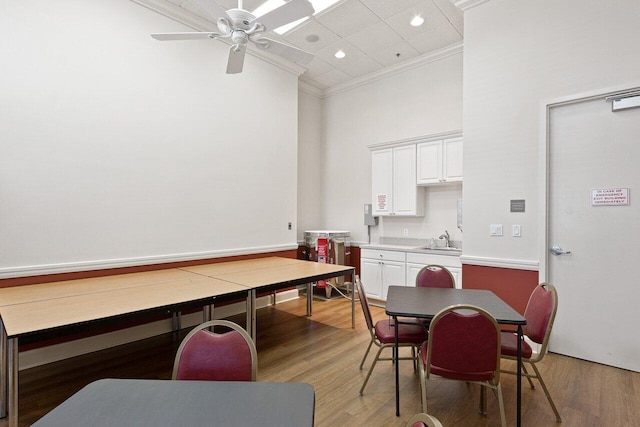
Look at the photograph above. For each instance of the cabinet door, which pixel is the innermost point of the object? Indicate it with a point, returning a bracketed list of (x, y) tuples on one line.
[(406, 194), (382, 181), (412, 273), (429, 162), (393, 273), (452, 170), (371, 276)]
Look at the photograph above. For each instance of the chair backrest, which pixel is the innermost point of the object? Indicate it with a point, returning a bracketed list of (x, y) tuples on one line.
[(540, 314), (364, 302), (464, 344), (434, 276), (424, 420), (206, 355)]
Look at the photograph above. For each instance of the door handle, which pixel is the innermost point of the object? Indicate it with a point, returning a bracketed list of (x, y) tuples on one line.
[(557, 250)]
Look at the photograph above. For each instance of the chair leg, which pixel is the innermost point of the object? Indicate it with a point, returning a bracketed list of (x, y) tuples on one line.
[(546, 392), (527, 375), (423, 388), (373, 365), (482, 406), (498, 393), (366, 353)]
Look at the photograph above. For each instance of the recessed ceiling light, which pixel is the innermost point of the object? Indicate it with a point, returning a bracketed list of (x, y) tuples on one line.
[(312, 38), (417, 20), (340, 54)]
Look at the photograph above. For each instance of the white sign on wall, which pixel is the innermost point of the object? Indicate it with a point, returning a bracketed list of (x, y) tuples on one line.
[(382, 202), (610, 197)]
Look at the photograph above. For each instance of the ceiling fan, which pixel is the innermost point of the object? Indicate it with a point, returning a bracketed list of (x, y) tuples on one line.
[(240, 27)]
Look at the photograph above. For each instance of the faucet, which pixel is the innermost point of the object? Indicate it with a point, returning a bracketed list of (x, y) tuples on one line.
[(446, 238)]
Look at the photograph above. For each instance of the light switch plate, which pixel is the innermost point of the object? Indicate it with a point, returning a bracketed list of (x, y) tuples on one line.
[(516, 230), (495, 230)]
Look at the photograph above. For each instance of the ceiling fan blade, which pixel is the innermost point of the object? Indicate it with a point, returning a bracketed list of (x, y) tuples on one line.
[(184, 36), (288, 12), (289, 52), (214, 10), (236, 59)]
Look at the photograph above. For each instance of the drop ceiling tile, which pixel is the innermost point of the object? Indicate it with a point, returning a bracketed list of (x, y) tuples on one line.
[(298, 36), (333, 78), (387, 8), (328, 53), (433, 17), (347, 18), (440, 37), (371, 39), (389, 55), (361, 67), (317, 67)]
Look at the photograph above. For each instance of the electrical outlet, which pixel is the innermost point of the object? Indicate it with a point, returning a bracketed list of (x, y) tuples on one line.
[(289, 226)]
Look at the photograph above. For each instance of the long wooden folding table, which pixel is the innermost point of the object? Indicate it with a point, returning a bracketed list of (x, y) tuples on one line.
[(53, 309)]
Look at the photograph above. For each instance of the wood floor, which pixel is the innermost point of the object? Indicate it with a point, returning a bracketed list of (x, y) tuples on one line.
[(325, 351)]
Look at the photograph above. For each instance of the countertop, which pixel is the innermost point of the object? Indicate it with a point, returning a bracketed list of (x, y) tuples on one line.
[(415, 249)]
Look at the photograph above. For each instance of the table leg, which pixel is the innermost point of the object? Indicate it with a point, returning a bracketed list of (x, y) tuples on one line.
[(395, 361), (309, 298), (176, 321), (251, 314), (12, 351), (3, 371), (519, 378), (353, 303)]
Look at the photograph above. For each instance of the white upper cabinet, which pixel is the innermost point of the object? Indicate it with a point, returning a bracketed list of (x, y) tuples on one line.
[(439, 161), (393, 181)]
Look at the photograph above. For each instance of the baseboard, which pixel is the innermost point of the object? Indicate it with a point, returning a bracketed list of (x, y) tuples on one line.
[(53, 353)]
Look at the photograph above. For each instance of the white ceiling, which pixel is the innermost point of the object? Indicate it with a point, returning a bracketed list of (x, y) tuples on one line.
[(374, 34)]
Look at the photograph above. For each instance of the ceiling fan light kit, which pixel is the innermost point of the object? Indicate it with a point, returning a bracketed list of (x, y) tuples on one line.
[(240, 27)]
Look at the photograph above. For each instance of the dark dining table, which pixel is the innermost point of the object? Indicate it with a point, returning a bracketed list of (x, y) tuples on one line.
[(152, 403), (424, 303)]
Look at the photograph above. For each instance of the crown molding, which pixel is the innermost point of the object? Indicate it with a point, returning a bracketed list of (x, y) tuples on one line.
[(310, 89), (191, 20), (427, 58), (455, 133), (465, 5)]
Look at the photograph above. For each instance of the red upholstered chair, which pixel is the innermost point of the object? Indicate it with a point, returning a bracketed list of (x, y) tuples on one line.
[(209, 356), (435, 276), (464, 345), (424, 420), (540, 314), (383, 335)]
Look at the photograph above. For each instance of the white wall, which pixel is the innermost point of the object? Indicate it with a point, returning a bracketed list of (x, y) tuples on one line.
[(119, 149), (310, 161), (517, 55), (420, 101)]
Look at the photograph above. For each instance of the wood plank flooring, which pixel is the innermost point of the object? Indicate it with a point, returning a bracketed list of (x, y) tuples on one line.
[(325, 351)]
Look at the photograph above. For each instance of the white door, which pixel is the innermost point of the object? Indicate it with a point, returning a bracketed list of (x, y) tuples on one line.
[(591, 147)]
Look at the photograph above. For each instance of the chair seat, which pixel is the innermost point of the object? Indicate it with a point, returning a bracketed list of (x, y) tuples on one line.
[(407, 334), (509, 347)]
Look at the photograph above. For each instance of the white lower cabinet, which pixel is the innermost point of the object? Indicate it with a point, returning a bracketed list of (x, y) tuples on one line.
[(379, 269), (416, 261)]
